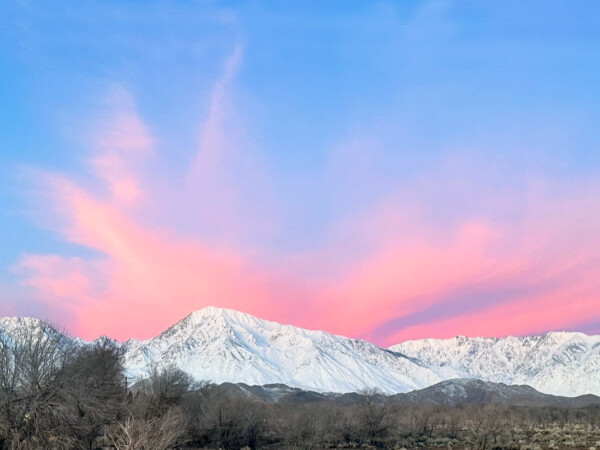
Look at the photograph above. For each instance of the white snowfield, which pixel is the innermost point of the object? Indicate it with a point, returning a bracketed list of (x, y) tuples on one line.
[(222, 345), (225, 345), (557, 363)]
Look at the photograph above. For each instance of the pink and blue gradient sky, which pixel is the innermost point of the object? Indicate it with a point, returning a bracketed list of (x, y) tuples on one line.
[(382, 170)]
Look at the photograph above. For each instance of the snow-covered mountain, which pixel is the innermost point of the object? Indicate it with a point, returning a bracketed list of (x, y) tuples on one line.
[(469, 391), (20, 328), (558, 363), (221, 345)]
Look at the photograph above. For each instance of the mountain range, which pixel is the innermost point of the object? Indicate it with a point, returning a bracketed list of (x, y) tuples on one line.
[(558, 363), (459, 391), (226, 346)]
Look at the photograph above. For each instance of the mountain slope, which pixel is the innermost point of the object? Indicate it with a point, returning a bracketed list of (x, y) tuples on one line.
[(467, 391), (558, 363), (459, 391), (223, 345), (29, 328)]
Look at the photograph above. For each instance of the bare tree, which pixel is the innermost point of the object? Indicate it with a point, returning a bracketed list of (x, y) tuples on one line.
[(168, 385), (304, 429), (31, 415), (154, 433), (374, 420), (92, 388), (154, 417)]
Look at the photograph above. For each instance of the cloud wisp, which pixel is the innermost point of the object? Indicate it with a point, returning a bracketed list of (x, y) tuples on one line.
[(390, 272)]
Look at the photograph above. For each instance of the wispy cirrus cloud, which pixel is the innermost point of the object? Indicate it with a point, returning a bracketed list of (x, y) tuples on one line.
[(121, 142), (429, 279), (440, 255)]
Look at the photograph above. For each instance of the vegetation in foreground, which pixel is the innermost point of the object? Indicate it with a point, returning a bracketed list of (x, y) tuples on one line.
[(53, 396)]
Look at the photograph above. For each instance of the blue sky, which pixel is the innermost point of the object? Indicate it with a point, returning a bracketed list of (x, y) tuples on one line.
[(448, 112)]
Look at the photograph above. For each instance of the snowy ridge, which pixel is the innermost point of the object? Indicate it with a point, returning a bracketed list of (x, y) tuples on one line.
[(557, 363), (19, 327), (13, 325), (222, 345)]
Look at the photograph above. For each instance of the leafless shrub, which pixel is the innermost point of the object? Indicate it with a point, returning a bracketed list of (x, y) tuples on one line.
[(303, 428), (31, 415), (374, 421), (144, 433)]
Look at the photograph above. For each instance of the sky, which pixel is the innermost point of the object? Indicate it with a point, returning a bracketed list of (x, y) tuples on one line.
[(381, 170)]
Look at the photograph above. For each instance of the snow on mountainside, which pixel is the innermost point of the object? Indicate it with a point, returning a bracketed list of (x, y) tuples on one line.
[(558, 363), (223, 345), (13, 325), (21, 327)]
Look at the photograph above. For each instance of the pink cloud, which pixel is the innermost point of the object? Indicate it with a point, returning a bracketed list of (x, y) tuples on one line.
[(561, 310), (121, 142), (149, 278), (392, 272), (145, 279), (474, 280), (215, 139)]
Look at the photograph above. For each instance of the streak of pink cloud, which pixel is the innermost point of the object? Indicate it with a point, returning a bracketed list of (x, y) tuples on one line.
[(215, 140), (558, 311), (391, 262), (145, 279), (413, 272), (121, 141), (152, 279)]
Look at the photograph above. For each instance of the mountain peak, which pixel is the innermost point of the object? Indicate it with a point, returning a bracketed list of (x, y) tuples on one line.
[(12, 324), (16, 320), (224, 345), (211, 313), (213, 310), (212, 319)]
